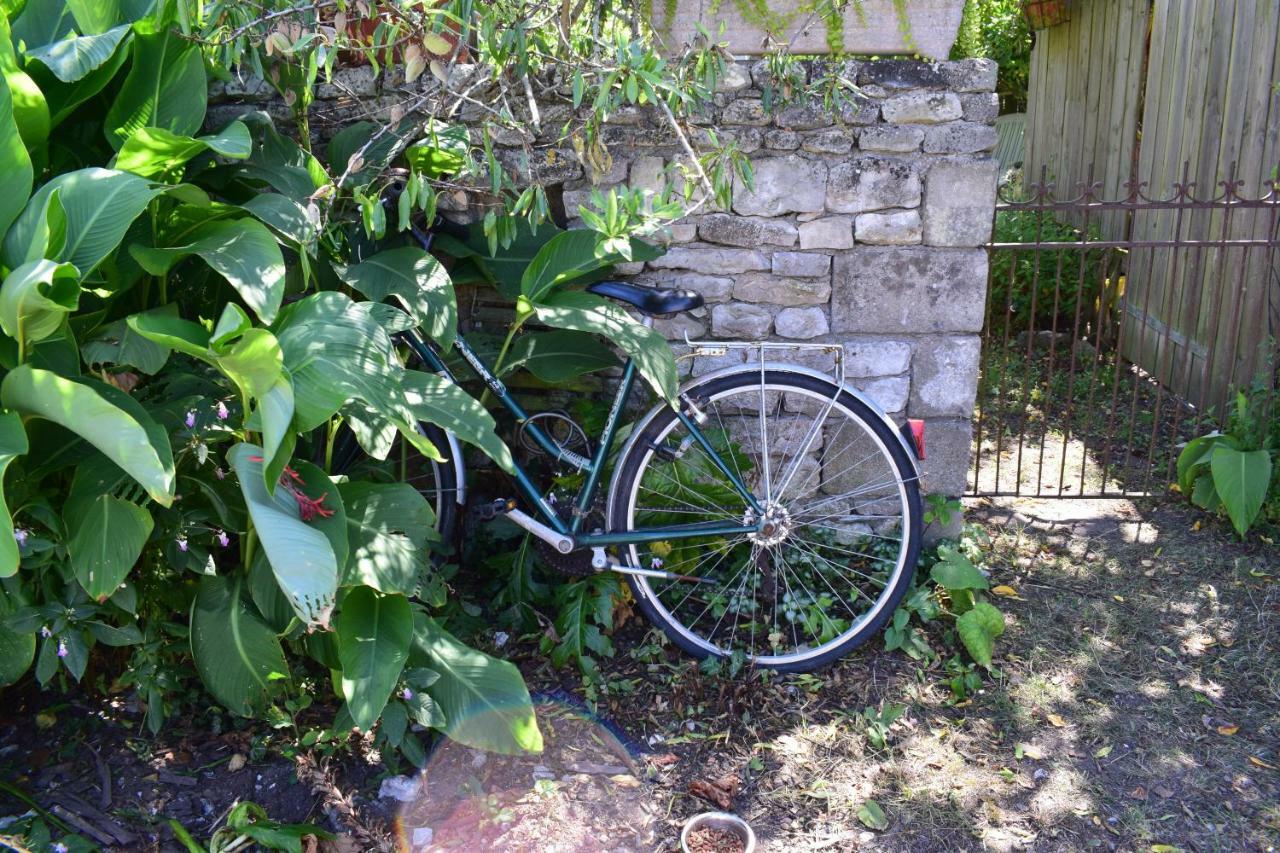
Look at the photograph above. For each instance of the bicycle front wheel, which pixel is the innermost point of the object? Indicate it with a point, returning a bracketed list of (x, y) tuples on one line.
[(839, 520)]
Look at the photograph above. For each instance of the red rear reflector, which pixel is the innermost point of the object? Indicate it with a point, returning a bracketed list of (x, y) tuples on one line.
[(917, 435)]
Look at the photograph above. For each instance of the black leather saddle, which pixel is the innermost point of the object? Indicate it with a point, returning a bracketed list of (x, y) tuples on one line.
[(648, 300)]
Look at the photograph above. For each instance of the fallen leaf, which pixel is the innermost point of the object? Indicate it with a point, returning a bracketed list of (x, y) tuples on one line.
[(872, 816), (237, 762), (1057, 721), (1006, 591), (1030, 751), (1138, 793), (665, 760), (1119, 598), (1165, 848), (1255, 760), (1163, 792), (1228, 731), (45, 720), (1102, 752), (719, 793)]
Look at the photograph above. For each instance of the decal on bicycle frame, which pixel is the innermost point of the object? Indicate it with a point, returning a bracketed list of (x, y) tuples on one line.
[(494, 383)]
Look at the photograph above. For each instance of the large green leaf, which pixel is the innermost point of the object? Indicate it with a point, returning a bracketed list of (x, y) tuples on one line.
[(558, 356), (237, 654), (85, 411), (374, 633), (16, 173), (436, 400), (389, 526), (586, 312), (285, 215), (98, 205), (30, 107), (485, 701), (335, 351), (118, 344), (41, 22), (71, 59), (300, 554), (64, 98), (955, 571), (165, 88), (420, 284), (275, 407), (151, 151), (978, 630), (13, 443), (1242, 479), (36, 297), (241, 250), (506, 266), (571, 255), (1198, 450), (253, 362), (106, 542), (17, 650), (169, 330), (45, 231)]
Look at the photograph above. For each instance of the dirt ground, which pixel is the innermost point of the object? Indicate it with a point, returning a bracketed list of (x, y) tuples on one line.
[(1137, 705)]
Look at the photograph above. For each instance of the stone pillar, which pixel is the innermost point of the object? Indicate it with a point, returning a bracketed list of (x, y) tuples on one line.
[(865, 226)]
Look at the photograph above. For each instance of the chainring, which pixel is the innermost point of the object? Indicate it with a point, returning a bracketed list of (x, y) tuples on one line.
[(577, 563)]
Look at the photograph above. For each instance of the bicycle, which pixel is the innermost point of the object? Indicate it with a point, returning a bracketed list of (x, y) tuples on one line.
[(741, 525)]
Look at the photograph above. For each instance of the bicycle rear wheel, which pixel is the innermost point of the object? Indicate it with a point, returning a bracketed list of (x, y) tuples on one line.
[(842, 520)]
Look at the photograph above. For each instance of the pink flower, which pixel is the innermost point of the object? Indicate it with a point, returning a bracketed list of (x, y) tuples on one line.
[(20, 536), (222, 538), (223, 414), (45, 632), (182, 543), (62, 649), (406, 694), (190, 419)]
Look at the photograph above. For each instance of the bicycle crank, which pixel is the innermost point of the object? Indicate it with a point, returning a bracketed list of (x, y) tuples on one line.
[(607, 562)]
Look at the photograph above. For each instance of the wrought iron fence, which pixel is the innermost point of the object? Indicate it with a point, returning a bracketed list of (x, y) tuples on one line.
[(1119, 329)]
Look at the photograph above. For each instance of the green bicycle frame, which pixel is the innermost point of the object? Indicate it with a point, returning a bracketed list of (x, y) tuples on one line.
[(592, 468)]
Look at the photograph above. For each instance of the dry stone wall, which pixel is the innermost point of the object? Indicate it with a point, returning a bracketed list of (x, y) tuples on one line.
[(865, 225)]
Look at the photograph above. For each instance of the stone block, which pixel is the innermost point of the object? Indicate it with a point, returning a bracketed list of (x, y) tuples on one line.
[(711, 260), (959, 202), (960, 137), (801, 323), (787, 184), (748, 111), (763, 287), (891, 138), (831, 232), (947, 466), (683, 232), (358, 81), (806, 117), (888, 392), (802, 264), (984, 108), (714, 288), (866, 357), (892, 228), (860, 111), (648, 173), (736, 77), (741, 320), (888, 289), (828, 142), (680, 326), (898, 74), (945, 376), (970, 75), (872, 183), (922, 108), (783, 140), (746, 231)]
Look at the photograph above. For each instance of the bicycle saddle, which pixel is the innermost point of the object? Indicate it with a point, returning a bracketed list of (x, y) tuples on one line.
[(648, 300)]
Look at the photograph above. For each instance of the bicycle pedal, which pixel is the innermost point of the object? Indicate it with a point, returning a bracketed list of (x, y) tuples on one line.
[(495, 508)]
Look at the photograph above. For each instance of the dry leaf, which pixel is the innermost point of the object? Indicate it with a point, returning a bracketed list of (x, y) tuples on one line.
[(712, 793), (1033, 752), (237, 762), (1057, 721), (1138, 793), (1102, 752), (1258, 762), (1228, 731), (1119, 598), (1006, 591)]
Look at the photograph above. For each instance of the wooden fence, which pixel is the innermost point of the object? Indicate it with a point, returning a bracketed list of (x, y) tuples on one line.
[(1180, 95)]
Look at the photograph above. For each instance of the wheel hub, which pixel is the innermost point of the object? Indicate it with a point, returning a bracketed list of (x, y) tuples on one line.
[(774, 525)]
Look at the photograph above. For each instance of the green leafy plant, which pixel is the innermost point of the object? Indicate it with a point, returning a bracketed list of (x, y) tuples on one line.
[(1234, 472), (998, 29)]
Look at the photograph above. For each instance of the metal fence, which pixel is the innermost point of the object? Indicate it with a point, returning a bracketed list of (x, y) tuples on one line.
[(1101, 357)]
